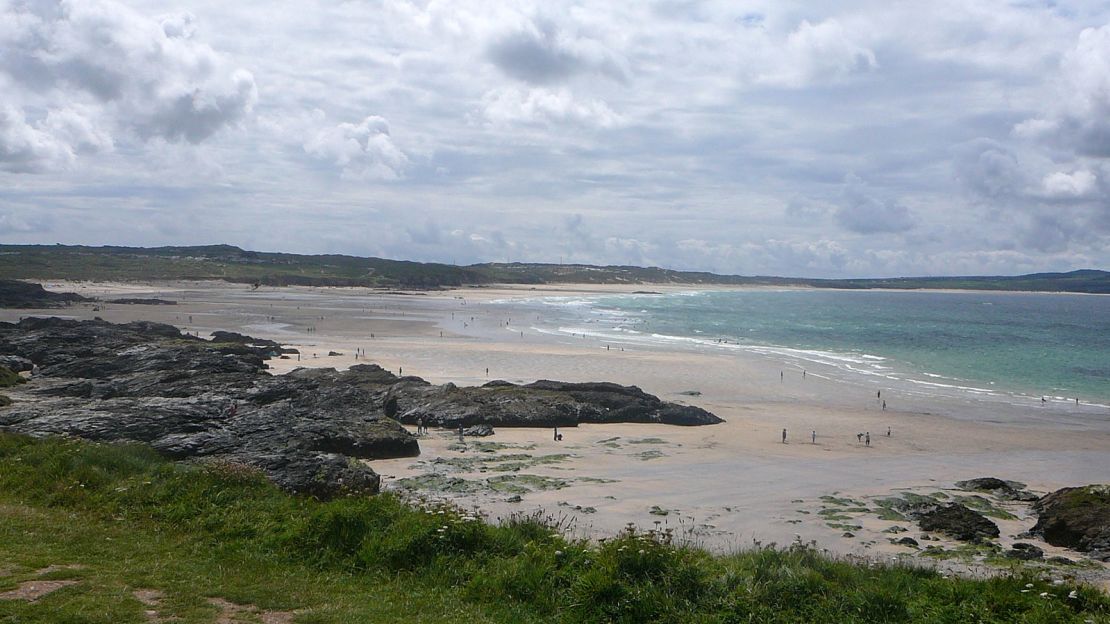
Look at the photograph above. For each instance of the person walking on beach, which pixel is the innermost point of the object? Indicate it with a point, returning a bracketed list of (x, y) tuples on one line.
[(884, 405), (781, 376), (867, 439), (784, 436), (813, 436), (859, 437), (888, 432)]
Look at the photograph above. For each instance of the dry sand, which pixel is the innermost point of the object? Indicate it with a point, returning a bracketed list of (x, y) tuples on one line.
[(723, 486)]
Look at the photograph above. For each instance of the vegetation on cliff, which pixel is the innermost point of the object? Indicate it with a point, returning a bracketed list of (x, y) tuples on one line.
[(226, 262)]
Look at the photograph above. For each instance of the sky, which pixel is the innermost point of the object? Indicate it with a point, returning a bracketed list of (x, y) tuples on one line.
[(848, 139)]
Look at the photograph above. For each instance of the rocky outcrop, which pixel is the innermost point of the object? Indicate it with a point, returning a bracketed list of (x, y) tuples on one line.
[(957, 521), (17, 294), (190, 398), (140, 301), (1004, 490), (1076, 518), (540, 404)]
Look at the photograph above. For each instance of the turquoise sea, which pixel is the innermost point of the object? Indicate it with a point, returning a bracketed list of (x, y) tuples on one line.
[(1024, 345)]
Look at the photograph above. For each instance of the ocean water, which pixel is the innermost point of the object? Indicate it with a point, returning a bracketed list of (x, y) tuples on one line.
[(1007, 344)]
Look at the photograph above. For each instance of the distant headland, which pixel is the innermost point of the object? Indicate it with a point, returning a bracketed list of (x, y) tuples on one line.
[(230, 263)]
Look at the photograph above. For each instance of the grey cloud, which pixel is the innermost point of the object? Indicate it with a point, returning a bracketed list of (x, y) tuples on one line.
[(863, 211), (1079, 117), (542, 55), (130, 72)]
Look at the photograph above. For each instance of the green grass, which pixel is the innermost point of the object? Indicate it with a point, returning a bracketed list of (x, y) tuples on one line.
[(133, 520), (9, 378)]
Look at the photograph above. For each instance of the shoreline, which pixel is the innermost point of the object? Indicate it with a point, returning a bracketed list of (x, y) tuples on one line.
[(756, 479)]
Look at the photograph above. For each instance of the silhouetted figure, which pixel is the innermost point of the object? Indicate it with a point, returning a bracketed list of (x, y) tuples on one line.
[(784, 436), (867, 438)]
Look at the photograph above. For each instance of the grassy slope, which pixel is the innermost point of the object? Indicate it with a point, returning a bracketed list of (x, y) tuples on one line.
[(234, 264), (136, 521)]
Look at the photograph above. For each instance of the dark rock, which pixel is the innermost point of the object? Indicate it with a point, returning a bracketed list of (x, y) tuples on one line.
[(134, 301), (959, 522), (334, 353), (515, 498), (1076, 518), (905, 541), (16, 364), (236, 337), (478, 431), (17, 294), (1058, 560), (847, 534), (1005, 490), (1023, 551), (194, 399), (540, 404)]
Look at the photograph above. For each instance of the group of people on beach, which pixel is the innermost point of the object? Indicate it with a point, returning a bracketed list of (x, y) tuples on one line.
[(862, 437)]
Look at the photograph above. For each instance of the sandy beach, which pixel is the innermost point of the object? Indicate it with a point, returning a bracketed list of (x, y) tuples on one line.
[(723, 486)]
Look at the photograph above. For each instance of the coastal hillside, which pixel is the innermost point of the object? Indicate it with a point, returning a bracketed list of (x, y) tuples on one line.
[(230, 263)]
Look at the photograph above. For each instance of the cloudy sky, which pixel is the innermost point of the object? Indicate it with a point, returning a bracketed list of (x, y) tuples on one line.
[(852, 138)]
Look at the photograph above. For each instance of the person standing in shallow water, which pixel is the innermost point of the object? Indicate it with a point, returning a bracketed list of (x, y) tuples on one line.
[(784, 436), (813, 436)]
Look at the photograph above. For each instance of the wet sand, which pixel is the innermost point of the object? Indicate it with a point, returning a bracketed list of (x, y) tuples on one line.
[(722, 486)]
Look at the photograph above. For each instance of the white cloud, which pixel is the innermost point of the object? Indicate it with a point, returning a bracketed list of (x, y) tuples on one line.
[(363, 150), (1069, 185), (91, 70), (539, 105), (1079, 116), (817, 52), (29, 149)]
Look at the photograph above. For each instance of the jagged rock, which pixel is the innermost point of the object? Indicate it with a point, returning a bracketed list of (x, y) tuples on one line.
[(17, 294), (478, 431), (1005, 490), (189, 399), (236, 337), (905, 541), (1023, 551), (956, 520), (16, 364), (193, 398), (1076, 518), (540, 404)]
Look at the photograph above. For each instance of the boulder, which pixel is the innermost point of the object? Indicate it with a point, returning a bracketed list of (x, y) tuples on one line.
[(17, 294), (478, 431), (16, 364), (1005, 490), (540, 404), (1076, 518), (959, 522), (1024, 552)]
